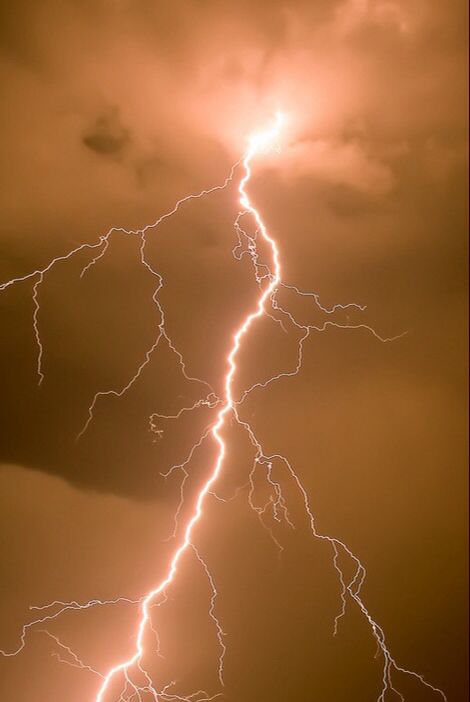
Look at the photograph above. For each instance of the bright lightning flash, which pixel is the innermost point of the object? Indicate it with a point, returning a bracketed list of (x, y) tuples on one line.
[(256, 144), (270, 283)]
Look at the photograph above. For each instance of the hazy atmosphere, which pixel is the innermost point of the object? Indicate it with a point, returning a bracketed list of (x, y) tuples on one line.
[(111, 112)]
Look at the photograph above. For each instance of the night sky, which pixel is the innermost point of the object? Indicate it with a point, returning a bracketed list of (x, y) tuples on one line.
[(113, 110)]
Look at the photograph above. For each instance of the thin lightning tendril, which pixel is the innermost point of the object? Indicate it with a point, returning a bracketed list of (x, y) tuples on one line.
[(275, 507), (220, 632)]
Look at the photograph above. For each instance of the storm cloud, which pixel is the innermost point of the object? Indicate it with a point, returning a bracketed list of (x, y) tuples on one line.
[(111, 112)]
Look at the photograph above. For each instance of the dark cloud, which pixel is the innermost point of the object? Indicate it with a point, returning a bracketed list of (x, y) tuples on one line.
[(107, 136)]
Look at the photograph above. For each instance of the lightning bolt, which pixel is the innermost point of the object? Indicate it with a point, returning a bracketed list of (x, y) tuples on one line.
[(257, 143), (268, 277)]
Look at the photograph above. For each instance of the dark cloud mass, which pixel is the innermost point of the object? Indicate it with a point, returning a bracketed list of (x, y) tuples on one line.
[(107, 136), (113, 110)]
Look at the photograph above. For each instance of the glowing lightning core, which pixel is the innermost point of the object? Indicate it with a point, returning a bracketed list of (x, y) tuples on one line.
[(268, 279), (257, 143)]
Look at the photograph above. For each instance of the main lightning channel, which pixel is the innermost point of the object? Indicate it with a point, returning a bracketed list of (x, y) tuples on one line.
[(257, 144)]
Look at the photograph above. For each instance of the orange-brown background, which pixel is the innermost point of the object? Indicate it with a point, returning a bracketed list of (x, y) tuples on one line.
[(110, 112)]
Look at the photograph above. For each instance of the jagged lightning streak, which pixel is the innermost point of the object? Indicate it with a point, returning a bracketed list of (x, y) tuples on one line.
[(102, 245), (270, 284), (257, 143)]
